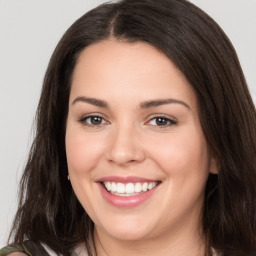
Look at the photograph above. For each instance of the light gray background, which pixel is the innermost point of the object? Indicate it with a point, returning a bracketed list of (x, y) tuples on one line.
[(30, 30)]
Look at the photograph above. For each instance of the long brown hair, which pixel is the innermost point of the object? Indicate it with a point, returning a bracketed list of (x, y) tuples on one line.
[(49, 212)]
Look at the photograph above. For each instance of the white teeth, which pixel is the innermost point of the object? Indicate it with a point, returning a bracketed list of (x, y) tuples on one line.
[(137, 187), (108, 185), (144, 186), (150, 185), (113, 187), (120, 188), (128, 189)]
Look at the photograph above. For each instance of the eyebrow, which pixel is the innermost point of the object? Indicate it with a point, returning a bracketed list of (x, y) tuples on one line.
[(160, 102), (143, 105), (93, 101)]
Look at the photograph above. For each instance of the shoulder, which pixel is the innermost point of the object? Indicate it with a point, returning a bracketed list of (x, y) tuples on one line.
[(214, 252), (27, 248), (80, 250), (16, 254), (12, 250)]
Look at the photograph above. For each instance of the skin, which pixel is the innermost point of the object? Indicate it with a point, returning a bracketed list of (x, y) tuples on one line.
[(128, 141)]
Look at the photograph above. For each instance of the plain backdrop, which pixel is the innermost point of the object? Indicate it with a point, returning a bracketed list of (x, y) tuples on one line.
[(29, 32)]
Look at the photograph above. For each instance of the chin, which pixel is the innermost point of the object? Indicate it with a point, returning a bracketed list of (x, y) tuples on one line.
[(129, 235), (127, 230)]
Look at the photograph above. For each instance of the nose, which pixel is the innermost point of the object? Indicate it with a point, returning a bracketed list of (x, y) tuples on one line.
[(125, 147)]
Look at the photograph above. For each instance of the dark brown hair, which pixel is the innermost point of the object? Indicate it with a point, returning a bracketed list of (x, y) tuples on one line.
[(49, 212)]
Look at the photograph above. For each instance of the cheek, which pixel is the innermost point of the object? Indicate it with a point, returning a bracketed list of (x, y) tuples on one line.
[(182, 154), (185, 161), (83, 152)]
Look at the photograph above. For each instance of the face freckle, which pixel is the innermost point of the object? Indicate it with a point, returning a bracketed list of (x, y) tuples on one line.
[(133, 118)]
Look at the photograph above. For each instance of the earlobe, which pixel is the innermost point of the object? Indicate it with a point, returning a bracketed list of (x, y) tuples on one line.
[(214, 165)]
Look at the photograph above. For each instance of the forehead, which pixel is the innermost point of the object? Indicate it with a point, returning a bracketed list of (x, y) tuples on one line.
[(128, 70)]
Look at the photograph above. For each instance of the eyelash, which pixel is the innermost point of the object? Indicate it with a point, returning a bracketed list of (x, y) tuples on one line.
[(161, 118), (84, 119)]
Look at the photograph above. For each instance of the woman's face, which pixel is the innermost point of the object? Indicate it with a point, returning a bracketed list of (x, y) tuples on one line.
[(137, 157)]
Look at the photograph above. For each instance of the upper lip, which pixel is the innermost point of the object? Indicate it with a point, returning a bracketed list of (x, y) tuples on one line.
[(126, 179)]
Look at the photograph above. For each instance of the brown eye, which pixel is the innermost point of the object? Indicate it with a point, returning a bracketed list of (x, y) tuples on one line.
[(162, 121), (93, 120)]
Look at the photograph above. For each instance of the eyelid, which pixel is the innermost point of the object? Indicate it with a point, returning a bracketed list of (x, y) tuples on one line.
[(173, 121), (82, 120)]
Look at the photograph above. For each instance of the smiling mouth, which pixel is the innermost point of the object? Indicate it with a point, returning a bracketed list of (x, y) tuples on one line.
[(128, 189)]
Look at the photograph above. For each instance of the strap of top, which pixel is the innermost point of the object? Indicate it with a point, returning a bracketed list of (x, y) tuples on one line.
[(29, 248)]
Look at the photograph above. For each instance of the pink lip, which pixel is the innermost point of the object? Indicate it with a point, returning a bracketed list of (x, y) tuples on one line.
[(122, 201)]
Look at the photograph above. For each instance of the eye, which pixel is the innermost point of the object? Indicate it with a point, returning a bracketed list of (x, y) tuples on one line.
[(162, 121), (93, 120)]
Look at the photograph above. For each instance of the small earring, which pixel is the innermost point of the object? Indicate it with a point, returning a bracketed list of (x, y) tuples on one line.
[(68, 177)]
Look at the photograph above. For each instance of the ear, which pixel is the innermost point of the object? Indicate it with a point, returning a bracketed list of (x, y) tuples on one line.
[(214, 165)]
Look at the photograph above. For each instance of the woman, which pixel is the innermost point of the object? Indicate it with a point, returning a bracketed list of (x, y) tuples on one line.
[(145, 140)]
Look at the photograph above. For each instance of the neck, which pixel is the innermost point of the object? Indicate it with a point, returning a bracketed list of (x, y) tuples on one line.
[(183, 244)]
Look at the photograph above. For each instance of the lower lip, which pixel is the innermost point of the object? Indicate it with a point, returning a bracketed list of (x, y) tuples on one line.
[(126, 201)]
